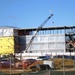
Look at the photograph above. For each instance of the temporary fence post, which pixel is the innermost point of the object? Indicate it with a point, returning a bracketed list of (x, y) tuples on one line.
[(10, 64)]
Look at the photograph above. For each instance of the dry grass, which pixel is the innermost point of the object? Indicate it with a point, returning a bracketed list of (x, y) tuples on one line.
[(58, 63), (14, 71)]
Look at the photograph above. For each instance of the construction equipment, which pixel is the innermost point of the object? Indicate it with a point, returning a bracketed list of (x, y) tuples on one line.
[(71, 42), (40, 27)]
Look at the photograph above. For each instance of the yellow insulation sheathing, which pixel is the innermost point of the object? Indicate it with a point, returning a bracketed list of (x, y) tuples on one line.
[(6, 45)]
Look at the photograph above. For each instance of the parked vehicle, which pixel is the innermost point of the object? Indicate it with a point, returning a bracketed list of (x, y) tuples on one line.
[(6, 64), (43, 57), (28, 62), (61, 56)]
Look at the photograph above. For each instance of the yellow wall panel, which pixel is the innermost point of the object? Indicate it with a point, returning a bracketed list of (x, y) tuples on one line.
[(6, 45)]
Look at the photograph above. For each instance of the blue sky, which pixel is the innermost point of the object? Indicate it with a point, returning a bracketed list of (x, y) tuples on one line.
[(31, 13)]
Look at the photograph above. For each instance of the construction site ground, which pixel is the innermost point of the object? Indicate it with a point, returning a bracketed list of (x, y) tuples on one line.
[(59, 65)]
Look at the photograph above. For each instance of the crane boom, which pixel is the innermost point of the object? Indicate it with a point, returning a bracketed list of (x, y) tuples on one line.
[(40, 27)]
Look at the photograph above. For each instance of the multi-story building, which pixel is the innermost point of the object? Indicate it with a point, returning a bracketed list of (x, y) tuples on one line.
[(47, 40)]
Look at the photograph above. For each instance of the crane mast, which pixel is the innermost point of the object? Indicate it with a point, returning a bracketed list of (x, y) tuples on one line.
[(40, 27)]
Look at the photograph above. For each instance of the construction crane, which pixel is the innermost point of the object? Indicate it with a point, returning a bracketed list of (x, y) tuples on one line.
[(40, 27)]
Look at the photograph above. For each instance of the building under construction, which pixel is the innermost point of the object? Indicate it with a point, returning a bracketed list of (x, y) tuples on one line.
[(47, 40)]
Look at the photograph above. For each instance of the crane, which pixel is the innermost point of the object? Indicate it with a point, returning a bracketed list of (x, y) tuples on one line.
[(40, 27)]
